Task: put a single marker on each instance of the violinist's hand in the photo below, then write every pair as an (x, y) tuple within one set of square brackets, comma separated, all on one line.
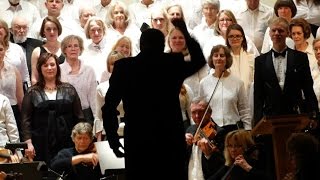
[(289, 176), (99, 136), (91, 158), (189, 139), (240, 161), (205, 147), (14, 158), (30, 153)]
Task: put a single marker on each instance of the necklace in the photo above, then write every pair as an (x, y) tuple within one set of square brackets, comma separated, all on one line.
[(50, 89)]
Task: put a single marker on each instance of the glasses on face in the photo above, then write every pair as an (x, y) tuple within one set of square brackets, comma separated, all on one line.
[(18, 27), (237, 37), (234, 146), (225, 20)]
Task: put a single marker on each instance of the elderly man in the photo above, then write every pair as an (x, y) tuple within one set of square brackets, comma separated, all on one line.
[(19, 31)]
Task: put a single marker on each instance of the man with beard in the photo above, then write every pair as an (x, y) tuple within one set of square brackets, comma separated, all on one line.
[(19, 30)]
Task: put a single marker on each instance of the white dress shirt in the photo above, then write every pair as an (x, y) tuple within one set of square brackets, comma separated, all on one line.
[(229, 102), (8, 126), (308, 11)]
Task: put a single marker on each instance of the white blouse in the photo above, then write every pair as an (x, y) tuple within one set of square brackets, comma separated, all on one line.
[(229, 103)]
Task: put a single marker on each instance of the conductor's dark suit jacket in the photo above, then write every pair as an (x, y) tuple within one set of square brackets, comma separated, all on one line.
[(297, 95), (149, 86)]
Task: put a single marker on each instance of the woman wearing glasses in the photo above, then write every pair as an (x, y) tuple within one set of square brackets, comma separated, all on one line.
[(241, 163), (225, 18)]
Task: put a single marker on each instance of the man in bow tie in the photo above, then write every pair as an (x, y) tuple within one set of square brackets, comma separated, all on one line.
[(19, 31), (282, 83)]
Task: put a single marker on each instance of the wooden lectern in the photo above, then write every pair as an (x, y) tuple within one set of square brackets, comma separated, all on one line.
[(281, 127)]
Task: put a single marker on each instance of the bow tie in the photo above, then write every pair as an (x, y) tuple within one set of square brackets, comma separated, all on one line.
[(277, 54), (23, 44), (97, 47)]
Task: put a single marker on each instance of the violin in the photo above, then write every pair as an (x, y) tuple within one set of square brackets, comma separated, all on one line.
[(91, 149), (4, 155), (208, 132)]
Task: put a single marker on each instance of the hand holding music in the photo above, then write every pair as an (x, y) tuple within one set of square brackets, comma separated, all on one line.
[(241, 161)]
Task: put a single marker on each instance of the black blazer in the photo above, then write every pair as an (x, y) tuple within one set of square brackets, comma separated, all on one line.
[(297, 95)]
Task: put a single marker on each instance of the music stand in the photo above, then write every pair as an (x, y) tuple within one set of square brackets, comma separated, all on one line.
[(281, 127)]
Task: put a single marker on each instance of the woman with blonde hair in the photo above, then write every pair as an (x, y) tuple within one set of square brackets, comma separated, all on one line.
[(241, 158)]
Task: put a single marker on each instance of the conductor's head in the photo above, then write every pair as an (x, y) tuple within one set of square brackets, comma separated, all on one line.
[(152, 40)]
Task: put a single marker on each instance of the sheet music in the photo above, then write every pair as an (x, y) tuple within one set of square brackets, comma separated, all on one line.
[(107, 159)]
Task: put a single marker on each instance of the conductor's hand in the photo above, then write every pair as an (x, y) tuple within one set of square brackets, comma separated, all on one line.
[(179, 23), (118, 149)]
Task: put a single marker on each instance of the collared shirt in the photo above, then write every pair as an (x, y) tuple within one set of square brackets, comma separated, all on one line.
[(280, 67), (255, 22), (16, 57), (24, 9), (101, 11), (86, 88), (308, 11), (8, 127)]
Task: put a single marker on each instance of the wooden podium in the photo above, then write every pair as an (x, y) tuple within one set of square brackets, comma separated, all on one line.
[(281, 127)]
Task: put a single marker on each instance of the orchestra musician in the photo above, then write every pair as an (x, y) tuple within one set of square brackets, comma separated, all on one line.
[(204, 156), (81, 161)]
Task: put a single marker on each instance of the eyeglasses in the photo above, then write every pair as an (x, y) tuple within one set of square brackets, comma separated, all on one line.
[(235, 37), (234, 146), (225, 19)]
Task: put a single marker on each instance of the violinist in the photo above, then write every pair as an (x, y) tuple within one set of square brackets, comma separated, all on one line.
[(241, 157), (204, 156), (81, 161)]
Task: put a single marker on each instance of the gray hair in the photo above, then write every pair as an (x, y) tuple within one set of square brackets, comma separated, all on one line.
[(82, 128)]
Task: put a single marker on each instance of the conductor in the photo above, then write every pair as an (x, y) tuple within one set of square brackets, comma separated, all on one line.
[(149, 86)]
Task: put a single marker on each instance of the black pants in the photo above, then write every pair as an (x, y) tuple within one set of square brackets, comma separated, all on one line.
[(17, 116)]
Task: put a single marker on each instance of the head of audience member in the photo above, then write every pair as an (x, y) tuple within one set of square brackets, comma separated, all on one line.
[(85, 12), (105, 3), (253, 4), (112, 58), (14, 2), (19, 29), (95, 29), (210, 9), (285, 8), (48, 69), (123, 45), (316, 49), (72, 47), (177, 41), (198, 110), (118, 14), (175, 11), (4, 32), (236, 37), (82, 136), (279, 31), (50, 28), (159, 20), (220, 58), (300, 31), (152, 41), (237, 142), (303, 152), (54, 7), (224, 19)]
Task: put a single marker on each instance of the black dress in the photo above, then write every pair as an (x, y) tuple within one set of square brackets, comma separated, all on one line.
[(48, 123)]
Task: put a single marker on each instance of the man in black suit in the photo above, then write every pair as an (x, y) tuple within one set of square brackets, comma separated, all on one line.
[(282, 85), (19, 31), (149, 85), (282, 79)]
